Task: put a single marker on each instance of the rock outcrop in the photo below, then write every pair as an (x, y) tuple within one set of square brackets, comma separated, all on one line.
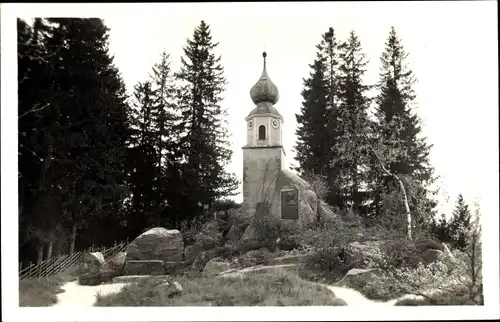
[(215, 267), (168, 289), (357, 278), (117, 263), (157, 244), (92, 262), (308, 201)]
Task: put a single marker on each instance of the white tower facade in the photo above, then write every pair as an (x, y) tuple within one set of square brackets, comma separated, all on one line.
[(263, 155)]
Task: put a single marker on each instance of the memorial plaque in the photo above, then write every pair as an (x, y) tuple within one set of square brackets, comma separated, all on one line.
[(289, 204)]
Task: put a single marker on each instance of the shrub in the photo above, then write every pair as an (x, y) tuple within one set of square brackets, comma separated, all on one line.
[(91, 278), (39, 292), (398, 253), (331, 256)]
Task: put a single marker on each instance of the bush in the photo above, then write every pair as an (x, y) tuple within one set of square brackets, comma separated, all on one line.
[(437, 282), (98, 277), (398, 253), (38, 292), (331, 255), (91, 278)]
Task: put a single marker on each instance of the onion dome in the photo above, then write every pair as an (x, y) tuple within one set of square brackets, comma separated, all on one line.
[(264, 91)]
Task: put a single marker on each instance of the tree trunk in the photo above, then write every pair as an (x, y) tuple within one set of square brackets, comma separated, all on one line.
[(39, 257), (72, 241), (49, 249), (407, 207), (401, 185)]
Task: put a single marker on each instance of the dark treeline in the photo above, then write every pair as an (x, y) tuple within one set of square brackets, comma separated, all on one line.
[(348, 129), (95, 165)]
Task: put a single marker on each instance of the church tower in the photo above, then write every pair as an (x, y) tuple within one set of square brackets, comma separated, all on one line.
[(263, 155)]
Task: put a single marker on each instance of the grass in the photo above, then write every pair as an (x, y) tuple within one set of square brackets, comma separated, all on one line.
[(39, 292), (255, 289)]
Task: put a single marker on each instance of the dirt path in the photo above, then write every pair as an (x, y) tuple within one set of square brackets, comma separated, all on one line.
[(353, 297), (84, 296)]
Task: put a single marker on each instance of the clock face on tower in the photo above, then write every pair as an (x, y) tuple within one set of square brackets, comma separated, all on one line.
[(275, 123), (250, 125)]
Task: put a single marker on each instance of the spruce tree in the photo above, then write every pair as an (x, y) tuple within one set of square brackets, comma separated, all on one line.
[(311, 132), (204, 141), (39, 193), (351, 147), (399, 141), (460, 224), (317, 122), (165, 120), (89, 97), (142, 161), (328, 51)]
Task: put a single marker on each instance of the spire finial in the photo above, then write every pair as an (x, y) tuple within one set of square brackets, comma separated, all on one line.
[(264, 54)]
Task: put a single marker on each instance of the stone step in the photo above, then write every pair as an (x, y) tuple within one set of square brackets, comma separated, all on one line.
[(144, 267), (140, 278)]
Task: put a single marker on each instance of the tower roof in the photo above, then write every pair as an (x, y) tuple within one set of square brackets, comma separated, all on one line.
[(264, 91)]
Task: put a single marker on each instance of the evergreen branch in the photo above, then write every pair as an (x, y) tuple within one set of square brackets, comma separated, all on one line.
[(33, 110)]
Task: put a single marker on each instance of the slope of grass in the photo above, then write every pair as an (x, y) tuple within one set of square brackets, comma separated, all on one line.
[(254, 289), (43, 291)]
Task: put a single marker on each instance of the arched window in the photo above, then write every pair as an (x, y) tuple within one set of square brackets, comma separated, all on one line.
[(262, 132)]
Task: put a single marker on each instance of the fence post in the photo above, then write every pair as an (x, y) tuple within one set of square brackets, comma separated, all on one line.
[(29, 271), (39, 269)]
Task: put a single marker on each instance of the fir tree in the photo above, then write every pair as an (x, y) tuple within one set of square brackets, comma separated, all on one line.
[(402, 148), (352, 123), (317, 124), (142, 162), (89, 97), (204, 139), (73, 126), (39, 196), (460, 224), (311, 132), (165, 119)]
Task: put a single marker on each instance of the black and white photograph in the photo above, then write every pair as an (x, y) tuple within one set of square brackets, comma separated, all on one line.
[(250, 161)]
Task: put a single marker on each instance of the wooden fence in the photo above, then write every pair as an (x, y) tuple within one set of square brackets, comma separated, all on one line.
[(64, 262)]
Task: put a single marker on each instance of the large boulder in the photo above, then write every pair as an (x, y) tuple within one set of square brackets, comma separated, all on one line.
[(432, 255), (326, 214), (308, 201), (176, 268), (168, 289), (103, 275), (290, 259), (233, 234), (215, 267), (117, 262), (92, 262), (357, 278), (270, 214), (157, 244), (423, 245)]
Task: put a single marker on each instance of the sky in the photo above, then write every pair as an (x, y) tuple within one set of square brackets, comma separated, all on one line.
[(452, 49), (453, 52)]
